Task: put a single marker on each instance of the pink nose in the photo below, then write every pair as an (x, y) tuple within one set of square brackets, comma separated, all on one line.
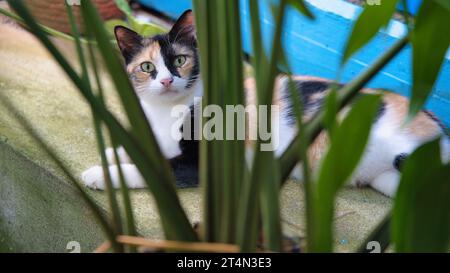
[(167, 82)]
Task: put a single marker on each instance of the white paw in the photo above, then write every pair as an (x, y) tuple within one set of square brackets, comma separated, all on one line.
[(297, 173), (93, 178), (387, 183), (110, 157)]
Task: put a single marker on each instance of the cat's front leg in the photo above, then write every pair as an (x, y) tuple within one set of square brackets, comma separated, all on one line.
[(123, 156), (95, 179), (387, 183)]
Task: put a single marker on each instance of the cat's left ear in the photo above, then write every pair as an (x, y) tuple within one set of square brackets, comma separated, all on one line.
[(184, 27), (128, 41)]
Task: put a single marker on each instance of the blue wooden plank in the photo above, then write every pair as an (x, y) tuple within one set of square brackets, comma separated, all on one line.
[(172, 8), (412, 6), (315, 47)]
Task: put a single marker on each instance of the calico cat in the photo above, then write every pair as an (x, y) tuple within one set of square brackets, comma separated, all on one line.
[(165, 72)]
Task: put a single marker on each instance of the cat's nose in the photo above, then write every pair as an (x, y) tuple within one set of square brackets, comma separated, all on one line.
[(167, 82)]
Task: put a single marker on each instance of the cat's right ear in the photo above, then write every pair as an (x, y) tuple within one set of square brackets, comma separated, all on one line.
[(184, 27), (129, 42)]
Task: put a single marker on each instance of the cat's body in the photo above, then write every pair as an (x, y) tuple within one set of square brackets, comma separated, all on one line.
[(390, 140), (165, 73)]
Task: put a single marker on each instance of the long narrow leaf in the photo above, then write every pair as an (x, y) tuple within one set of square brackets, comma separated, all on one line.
[(432, 24), (346, 148), (367, 26), (421, 217), (381, 236), (85, 77), (260, 182), (131, 229), (301, 6), (116, 219), (298, 107)]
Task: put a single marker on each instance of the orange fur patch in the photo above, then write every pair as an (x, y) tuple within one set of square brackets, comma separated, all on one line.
[(422, 126), (149, 53), (317, 150)]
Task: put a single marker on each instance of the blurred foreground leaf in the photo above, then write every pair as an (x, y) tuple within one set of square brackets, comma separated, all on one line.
[(346, 148), (421, 217), (301, 7), (144, 29), (371, 20), (430, 41)]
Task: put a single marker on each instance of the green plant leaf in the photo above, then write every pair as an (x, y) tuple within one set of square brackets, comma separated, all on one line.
[(421, 217), (432, 24), (301, 7), (371, 20), (111, 24), (130, 228), (147, 29), (115, 214), (298, 105), (268, 175), (123, 6), (144, 29), (210, 32), (346, 148), (444, 3), (265, 79), (233, 151)]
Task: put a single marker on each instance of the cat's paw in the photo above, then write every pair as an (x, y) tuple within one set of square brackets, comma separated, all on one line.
[(94, 178), (387, 183), (111, 157)]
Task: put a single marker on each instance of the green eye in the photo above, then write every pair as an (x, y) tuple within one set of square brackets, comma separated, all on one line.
[(179, 60), (147, 67)]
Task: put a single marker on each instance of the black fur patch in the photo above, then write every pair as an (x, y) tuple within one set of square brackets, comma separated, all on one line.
[(194, 73), (305, 90), (167, 53), (128, 55), (130, 43), (438, 122), (169, 56), (185, 166), (381, 111), (399, 160)]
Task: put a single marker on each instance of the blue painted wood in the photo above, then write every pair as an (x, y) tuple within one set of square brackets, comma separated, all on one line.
[(412, 6), (315, 47)]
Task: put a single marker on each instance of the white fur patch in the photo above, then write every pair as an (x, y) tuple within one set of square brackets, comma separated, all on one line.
[(445, 149), (94, 178)]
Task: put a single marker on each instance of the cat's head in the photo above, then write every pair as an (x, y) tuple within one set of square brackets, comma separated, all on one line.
[(163, 67)]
